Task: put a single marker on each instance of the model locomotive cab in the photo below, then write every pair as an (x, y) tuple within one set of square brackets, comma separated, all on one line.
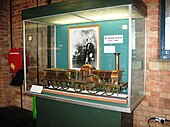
[(86, 80)]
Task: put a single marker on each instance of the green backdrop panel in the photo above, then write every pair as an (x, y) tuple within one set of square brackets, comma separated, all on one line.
[(107, 61)]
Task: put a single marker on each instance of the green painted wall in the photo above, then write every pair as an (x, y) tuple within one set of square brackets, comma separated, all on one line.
[(107, 61)]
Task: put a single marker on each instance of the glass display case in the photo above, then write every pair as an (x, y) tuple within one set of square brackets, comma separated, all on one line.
[(87, 55)]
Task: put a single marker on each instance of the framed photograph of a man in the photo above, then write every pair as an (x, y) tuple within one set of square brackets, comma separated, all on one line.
[(83, 46)]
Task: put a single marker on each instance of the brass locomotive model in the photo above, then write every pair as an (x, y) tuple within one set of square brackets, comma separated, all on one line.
[(88, 79)]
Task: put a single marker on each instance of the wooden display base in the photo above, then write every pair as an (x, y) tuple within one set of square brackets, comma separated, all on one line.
[(116, 98)]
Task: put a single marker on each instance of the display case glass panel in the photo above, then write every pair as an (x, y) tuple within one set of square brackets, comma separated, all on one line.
[(93, 57), (138, 58)]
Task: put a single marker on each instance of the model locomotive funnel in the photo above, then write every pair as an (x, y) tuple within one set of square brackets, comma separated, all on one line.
[(116, 61)]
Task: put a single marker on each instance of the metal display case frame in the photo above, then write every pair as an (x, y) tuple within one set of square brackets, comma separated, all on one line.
[(134, 10)]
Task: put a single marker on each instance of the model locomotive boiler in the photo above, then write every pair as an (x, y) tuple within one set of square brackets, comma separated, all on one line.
[(86, 79)]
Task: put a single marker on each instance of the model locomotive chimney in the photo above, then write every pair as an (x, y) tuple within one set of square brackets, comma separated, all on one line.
[(117, 61)]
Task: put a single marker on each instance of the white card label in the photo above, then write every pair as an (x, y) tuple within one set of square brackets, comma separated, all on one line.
[(113, 39), (109, 49), (36, 89)]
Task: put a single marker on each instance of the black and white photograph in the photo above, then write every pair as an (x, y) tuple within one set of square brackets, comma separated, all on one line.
[(83, 46)]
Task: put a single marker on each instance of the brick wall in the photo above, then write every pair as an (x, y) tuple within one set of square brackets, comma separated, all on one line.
[(4, 48), (157, 98), (10, 95), (157, 101), (17, 7)]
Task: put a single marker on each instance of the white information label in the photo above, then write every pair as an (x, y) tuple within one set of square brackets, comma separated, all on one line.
[(36, 89), (109, 49), (167, 31), (112, 39)]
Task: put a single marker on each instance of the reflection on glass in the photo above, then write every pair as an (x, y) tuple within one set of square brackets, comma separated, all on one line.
[(138, 58)]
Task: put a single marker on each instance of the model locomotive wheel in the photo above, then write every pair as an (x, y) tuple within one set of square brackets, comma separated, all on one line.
[(64, 85), (92, 88), (53, 84), (57, 85), (109, 91), (117, 89), (48, 83), (45, 83), (78, 87), (91, 84)]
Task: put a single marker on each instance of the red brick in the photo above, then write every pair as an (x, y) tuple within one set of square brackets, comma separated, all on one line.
[(154, 29), (152, 12)]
